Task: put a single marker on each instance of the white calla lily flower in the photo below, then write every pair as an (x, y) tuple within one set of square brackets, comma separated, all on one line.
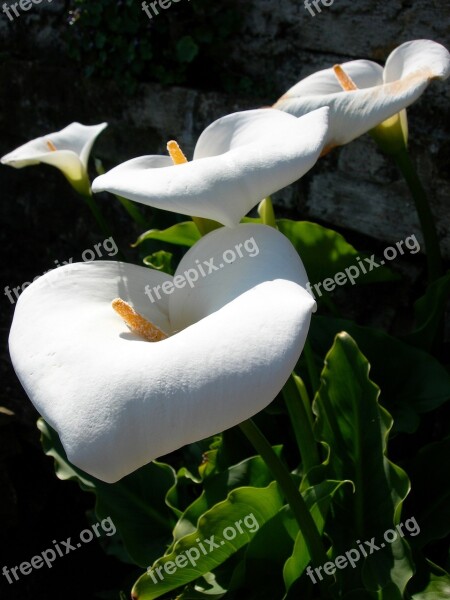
[(238, 160), (361, 94), (228, 344), (68, 150)]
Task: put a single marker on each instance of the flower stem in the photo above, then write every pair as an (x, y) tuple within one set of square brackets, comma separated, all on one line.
[(289, 489), (298, 405), (95, 210), (104, 227), (266, 212), (134, 212), (205, 225), (433, 252)]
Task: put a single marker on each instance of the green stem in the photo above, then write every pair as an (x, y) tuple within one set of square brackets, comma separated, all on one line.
[(433, 252), (290, 491), (134, 212), (298, 405), (128, 205), (104, 227), (95, 210), (313, 373), (205, 225), (266, 212)]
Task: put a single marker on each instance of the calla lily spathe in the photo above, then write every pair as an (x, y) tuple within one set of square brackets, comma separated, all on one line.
[(68, 150), (381, 93), (238, 160), (118, 401)]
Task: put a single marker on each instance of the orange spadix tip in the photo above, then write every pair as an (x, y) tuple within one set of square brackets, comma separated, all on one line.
[(51, 146), (176, 154), (137, 323), (345, 80)]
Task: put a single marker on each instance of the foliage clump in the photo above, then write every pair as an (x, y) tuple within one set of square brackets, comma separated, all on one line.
[(188, 43)]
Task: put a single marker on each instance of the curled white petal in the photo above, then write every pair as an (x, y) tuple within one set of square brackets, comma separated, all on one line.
[(429, 58), (240, 129), (118, 402), (226, 186), (227, 263), (365, 74), (72, 148), (408, 71)]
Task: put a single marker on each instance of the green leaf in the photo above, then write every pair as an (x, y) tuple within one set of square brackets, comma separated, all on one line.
[(187, 49), (360, 594), (325, 252), (182, 234), (161, 261), (266, 552), (180, 494), (318, 499), (205, 588), (100, 39), (412, 381), (437, 589), (252, 472), (254, 220), (136, 503), (356, 428), (390, 568), (246, 507), (429, 311)]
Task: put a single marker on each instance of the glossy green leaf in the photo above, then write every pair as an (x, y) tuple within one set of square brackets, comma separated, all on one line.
[(438, 588), (180, 494), (205, 588), (252, 472), (136, 503), (254, 220), (208, 547), (412, 381), (161, 261), (360, 594), (389, 568), (325, 253), (429, 311), (318, 499), (181, 234), (186, 49), (356, 429), (266, 553)]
